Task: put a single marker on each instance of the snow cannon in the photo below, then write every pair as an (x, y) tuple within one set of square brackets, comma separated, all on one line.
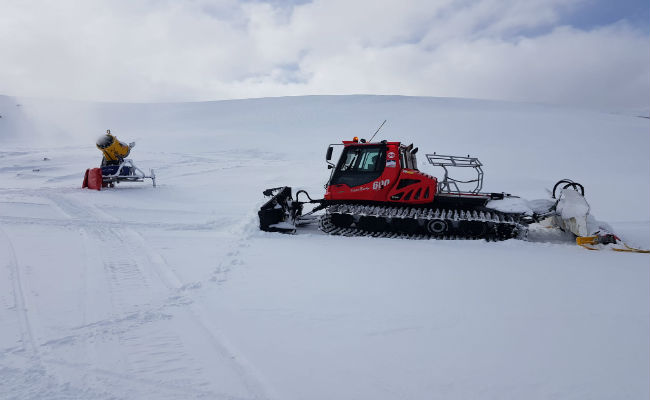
[(112, 149), (115, 167)]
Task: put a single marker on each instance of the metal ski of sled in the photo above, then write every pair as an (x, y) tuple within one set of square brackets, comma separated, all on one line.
[(126, 171)]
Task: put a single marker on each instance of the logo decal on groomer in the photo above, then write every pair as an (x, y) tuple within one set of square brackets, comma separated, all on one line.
[(380, 184)]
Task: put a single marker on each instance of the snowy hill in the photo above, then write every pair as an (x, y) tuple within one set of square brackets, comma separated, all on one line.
[(172, 292)]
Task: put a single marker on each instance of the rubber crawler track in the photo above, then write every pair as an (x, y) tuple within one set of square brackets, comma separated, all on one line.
[(416, 223)]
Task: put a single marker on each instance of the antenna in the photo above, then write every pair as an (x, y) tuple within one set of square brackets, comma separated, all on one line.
[(382, 124)]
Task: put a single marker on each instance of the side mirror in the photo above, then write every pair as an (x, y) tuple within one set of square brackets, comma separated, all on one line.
[(330, 166), (329, 153)]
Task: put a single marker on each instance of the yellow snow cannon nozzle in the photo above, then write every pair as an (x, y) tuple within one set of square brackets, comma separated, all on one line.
[(113, 149)]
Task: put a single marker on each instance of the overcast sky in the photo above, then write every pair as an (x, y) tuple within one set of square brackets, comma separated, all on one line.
[(593, 53)]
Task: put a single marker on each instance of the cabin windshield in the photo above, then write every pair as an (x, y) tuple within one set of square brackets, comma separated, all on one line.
[(359, 165), (361, 160)]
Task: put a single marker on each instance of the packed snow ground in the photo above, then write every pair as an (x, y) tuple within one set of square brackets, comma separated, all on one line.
[(172, 292)]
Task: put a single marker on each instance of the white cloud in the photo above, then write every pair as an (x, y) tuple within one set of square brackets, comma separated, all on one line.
[(161, 50)]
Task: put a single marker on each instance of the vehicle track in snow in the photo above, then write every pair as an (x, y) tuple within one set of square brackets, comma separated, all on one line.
[(74, 222), (132, 267), (199, 314), (134, 304)]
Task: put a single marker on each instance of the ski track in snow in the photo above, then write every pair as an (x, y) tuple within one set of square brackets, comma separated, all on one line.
[(20, 382), (26, 332)]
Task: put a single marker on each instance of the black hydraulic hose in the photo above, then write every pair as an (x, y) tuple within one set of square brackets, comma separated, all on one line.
[(307, 194)]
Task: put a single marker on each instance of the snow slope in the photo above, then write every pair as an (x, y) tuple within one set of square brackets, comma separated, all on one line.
[(172, 292)]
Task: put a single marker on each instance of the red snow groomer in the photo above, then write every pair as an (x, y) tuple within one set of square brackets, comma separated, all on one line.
[(376, 189), (115, 167)]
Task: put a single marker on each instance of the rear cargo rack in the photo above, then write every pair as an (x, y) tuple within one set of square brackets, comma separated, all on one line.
[(449, 184)]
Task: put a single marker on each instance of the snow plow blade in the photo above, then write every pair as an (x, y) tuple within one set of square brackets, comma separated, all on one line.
[(280, 212)]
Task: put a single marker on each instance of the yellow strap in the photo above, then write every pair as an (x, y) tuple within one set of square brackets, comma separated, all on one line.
[(627, 249), (632, 249), (582, 240)]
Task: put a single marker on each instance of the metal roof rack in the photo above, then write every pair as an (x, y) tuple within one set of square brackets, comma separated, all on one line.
[(449, 184)]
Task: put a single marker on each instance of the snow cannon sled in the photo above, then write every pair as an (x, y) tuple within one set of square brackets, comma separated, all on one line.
[(115, 167), (376, 189)]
